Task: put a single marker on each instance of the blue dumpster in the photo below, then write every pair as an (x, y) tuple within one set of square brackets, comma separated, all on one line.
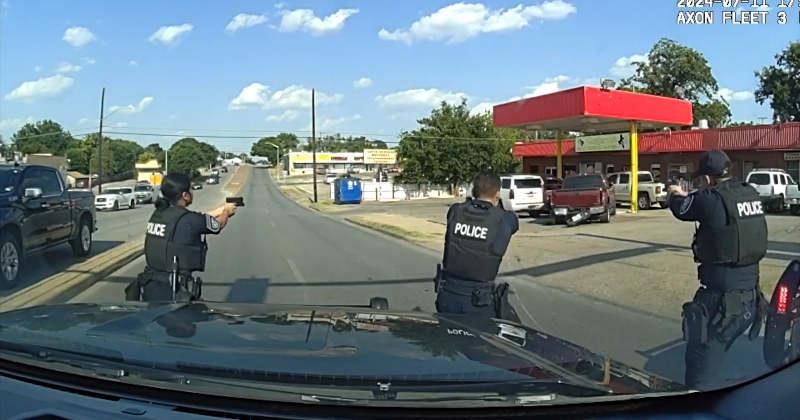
[(347, 191)]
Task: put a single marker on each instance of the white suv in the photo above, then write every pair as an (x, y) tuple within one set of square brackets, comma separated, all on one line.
[(520, 193), (771, 185)]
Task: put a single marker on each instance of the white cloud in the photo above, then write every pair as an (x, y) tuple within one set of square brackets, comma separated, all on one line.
[(362, 83), (89, 61), (624, 66), (171, 35), (550, 85), (83, 121), (461, 21), (483, 107), (133, 63), (120, 125), (14, 124), (419, 98), (173, 116), (243, 20), (68, 68), (293, 97), (731, 95), (304, 20), (326, 123), (42, 88), (38, 69), (132, 109), (78, 36), (287, 115)]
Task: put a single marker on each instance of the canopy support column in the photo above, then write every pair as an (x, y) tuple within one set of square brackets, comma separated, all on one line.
[(559, 155), (634, 167)]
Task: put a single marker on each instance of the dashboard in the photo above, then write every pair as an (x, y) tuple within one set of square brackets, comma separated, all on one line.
[(26, 397)]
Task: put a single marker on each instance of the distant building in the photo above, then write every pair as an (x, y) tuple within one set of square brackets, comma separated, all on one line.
[(149, 171)]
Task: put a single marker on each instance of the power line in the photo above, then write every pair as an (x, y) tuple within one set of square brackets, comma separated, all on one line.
[(201, 136)]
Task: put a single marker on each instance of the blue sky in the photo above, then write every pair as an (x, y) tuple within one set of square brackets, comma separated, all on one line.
[(238, 69)]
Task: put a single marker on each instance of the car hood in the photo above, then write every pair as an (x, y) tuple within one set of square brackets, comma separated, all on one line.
[(108, 196), (274, 341)]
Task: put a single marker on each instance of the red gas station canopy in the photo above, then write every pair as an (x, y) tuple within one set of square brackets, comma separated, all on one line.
[(593, 110)]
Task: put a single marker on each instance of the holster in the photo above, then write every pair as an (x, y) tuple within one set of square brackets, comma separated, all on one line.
[(438, 279), (133, 292), (762, 308), (500, 302), (704, 310)]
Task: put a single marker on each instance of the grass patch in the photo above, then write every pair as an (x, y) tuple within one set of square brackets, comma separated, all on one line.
[(391, 229), (292, 191), (323, 205)]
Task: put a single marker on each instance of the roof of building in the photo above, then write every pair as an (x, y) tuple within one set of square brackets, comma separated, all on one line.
[(592, 109)]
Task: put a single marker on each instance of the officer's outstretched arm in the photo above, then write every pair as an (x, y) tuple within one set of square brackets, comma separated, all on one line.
[(506, 228), (695, 207)]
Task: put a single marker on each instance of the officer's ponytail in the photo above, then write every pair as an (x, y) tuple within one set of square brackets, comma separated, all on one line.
[(173, 186)]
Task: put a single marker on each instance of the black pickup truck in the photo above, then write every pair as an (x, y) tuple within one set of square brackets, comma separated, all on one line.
[(38, 212)]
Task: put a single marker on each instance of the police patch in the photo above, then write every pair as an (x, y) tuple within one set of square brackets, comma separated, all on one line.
[(212, 223), (687, 204)]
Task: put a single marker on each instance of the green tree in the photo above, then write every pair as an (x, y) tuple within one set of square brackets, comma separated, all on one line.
[(146, 156), (452, 145), (284, 141), (157, 151), (337, 143), (126, 154), (45, 136), (780, 84), (186, 156), (210, 154), (678, 71), (2, 145), (741, 124), (92, 152)]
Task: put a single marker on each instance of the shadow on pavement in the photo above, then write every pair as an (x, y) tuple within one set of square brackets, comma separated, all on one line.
[(55, 261), (743, 362), (252, 290)]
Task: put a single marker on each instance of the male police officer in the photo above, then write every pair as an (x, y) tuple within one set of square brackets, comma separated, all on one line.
[(175, 243), (478, 235), (728, 245)]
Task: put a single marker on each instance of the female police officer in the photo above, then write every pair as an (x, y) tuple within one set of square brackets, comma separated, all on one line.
[(176, 235)]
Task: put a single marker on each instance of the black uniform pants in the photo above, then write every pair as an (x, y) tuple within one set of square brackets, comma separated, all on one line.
[(461, 302), (727, 316)]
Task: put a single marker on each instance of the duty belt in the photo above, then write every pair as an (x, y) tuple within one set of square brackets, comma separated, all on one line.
[(463, 287)]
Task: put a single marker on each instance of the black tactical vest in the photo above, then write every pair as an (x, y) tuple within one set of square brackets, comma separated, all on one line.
[(159, 248), (743, 240), (470, 234)]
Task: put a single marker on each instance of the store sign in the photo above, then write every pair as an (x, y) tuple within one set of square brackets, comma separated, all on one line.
[(791, 156), (306, 157), (339, 159), (380, 156), (603, 143)]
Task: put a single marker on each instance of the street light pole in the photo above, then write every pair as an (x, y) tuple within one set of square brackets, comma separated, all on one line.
[(100, 146), (314, 142)]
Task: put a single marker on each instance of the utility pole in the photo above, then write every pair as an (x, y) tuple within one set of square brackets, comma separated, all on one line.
[(100, 146), (314, 142), (762, 119)]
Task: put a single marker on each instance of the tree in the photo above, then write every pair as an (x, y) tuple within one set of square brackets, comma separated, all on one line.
[(284, 141), (452, 145), (155, 150), (187, 155), (2, 145), (45, 136), (677, 71), (780, 84), (337, 143), (126, 153)]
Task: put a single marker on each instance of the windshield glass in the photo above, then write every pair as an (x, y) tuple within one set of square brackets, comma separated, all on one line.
[(9, 177), (430, 219), (583, 181)]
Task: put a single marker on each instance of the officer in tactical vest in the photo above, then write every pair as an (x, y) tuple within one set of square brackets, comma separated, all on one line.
[(729, 243), (478, 235), (175, 244)]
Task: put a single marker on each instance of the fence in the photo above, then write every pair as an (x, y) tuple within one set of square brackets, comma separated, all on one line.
[(385, 191)]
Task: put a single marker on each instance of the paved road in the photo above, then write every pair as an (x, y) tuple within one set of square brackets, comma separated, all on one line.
[(274, 251), (114, 229)]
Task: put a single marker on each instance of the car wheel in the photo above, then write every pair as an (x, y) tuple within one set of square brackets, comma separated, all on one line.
[(644, 202), (82, 244), (10, 261), (116, 206), (132, 204)]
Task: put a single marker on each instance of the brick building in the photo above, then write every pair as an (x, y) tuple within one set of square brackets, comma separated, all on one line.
[(673, 153)]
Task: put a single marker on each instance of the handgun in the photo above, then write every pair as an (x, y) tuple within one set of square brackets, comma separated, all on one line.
[(238, 201)]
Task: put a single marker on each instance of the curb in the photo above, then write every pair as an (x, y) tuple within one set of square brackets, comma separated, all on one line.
[(78, 277), (373, 228)]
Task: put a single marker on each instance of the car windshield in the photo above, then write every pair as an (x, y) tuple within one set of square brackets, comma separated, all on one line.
[(457, 217)]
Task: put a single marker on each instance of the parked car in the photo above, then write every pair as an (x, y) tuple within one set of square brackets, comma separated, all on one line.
[(583, 193), (145, 194), (212, 180), (649, 191), (197, 186), (114, 198), (771, 184), (38, 212), (793, 198)]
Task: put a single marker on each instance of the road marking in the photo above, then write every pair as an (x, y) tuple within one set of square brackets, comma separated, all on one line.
[(791, 254), (299, 277), (272, 223)]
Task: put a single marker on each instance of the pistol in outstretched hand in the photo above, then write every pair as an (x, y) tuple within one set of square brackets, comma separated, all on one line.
[(237, 201)]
